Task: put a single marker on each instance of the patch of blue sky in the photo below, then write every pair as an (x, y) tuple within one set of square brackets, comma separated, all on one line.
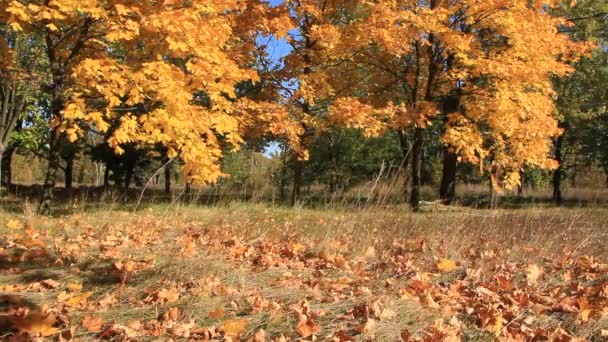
[(277, 49)]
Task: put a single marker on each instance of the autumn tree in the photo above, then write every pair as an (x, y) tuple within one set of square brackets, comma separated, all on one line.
[(498, 56), (168, 69), (314, 79), (21, 81)]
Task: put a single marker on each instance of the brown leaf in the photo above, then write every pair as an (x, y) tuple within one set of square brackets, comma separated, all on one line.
[(50, 283), (259, 336), (37, 324), (233, 327), (74, 287), (217, 313), (533, 272), (182, 330), (92, 324), (306, 326)]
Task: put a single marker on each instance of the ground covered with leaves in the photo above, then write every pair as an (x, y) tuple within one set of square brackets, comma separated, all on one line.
[(256, 273)]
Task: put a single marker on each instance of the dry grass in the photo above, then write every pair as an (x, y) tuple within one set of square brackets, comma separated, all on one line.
[(212, 275)]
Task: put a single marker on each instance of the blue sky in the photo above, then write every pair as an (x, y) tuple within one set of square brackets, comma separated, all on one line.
[(276, 49)]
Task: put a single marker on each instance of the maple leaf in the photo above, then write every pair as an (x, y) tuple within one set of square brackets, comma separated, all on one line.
[(93, 324), (183, 329), (533, 273), (74, 287), (446, 265), (306, 326), (50, 283), (217, 313), (259, 336), (37, 324), (233, 327), (74, 299), (13, 224)]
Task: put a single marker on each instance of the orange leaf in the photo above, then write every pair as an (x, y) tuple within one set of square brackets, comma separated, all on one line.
[(446, 265), (92, 324), (13, 224), (233, 327), (533, 272), (217, 313), (306, 326), (38, 324)]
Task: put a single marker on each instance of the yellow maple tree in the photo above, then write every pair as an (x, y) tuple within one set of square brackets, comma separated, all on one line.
[(165, 70), (499, 57)]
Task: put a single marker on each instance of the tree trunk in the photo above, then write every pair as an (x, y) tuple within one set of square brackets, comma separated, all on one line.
[(188, 190), (520, 187), (51, 172), (7, 174), (297, 182), (557, 174), (405, 151), (493, 195), (416, 167), (447, 190), (167, 176), (283, 180), (69, 172)]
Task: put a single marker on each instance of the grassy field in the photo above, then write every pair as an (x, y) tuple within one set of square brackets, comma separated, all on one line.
[(262, 273)]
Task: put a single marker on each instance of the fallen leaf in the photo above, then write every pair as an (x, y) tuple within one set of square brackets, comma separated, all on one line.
[(498, 325), (446, 265), (217, 313), (306, 327), (182, 330), (259, 336), (37, 324), (233, 327), (50, 283), (533, 272), (74, 287), (13, 224), (92, 324), (74, 299)]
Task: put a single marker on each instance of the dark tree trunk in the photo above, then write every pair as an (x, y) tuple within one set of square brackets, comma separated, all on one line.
[(69, 172), (557, 174), (416, 169), (493, 195), (167, 176), (7, 173), (447, 190), (51, 172), (188, 190), (296, 192), (283, 180), (405, 151), (520, 187)]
